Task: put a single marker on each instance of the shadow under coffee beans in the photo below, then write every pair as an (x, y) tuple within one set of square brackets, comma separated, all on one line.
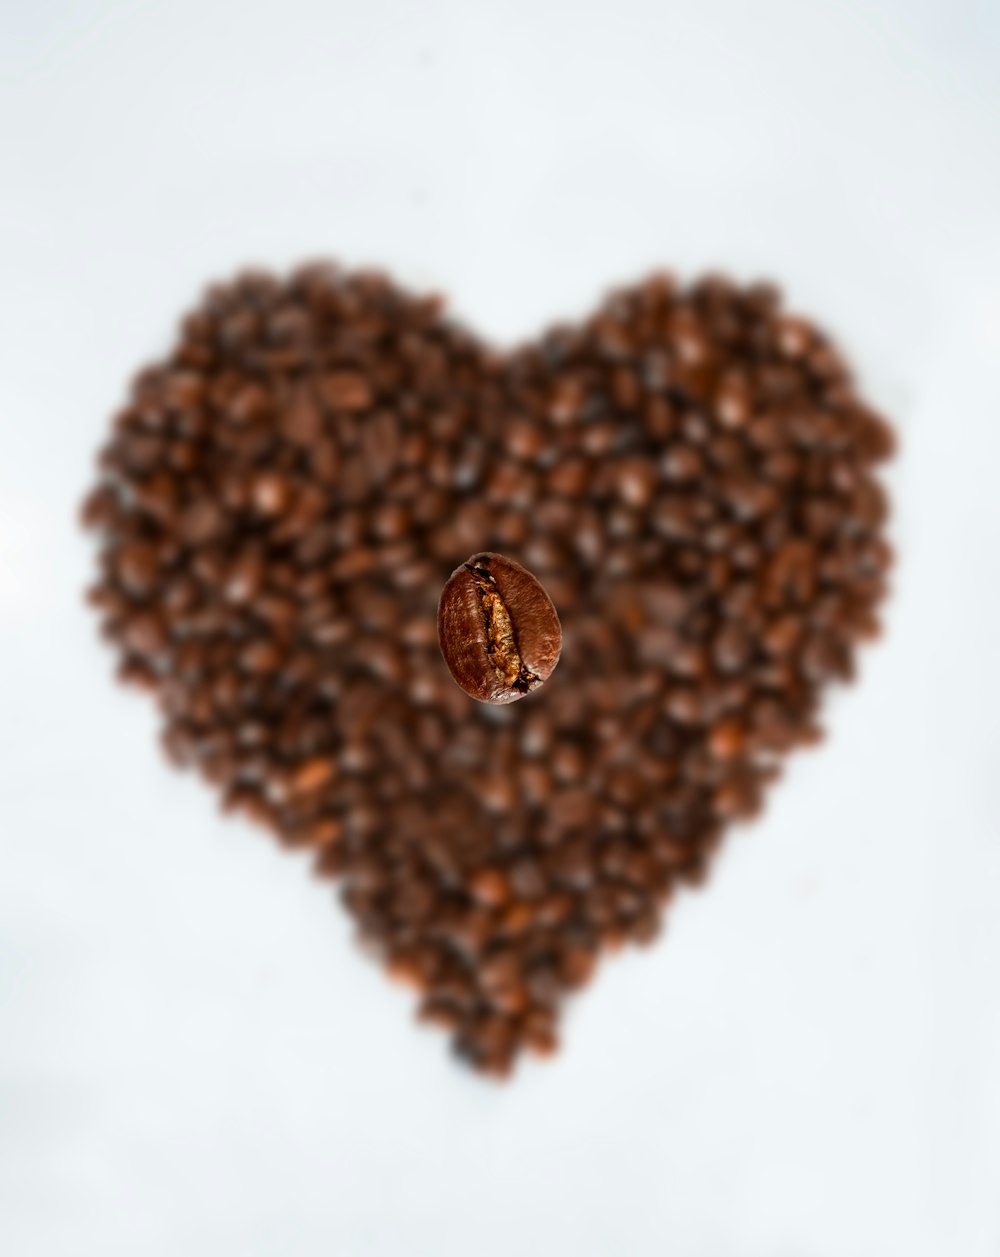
[(688, 475)]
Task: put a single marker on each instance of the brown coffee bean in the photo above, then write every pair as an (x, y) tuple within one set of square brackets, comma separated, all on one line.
[(726, 740), (270, 493), (498, 630), (682, 463), (347, 391), (311, 774), (138, 567), (489, 886), (144, 634)]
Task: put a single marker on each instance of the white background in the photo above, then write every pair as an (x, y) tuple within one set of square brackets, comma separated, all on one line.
[(193, 1058)]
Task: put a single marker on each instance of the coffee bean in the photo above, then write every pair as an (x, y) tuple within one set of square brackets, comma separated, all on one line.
[(498, 630), (489, 886), (688, 473)]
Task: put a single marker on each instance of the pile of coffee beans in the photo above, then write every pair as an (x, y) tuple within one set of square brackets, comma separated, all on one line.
[(689, 473)]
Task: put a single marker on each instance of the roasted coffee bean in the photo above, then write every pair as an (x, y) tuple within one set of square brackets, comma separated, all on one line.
[(498, 630), (689, 474)]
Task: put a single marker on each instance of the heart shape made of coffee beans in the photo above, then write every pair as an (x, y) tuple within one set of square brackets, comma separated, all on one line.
[(689, 473)]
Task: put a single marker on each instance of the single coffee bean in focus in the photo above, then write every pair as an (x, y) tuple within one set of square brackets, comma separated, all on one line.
[(498, 630)]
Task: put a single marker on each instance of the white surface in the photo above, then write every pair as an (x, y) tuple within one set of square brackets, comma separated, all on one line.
[(193, 1059)]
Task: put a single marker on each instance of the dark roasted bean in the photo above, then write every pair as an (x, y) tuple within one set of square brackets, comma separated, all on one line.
[(498, 630)]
